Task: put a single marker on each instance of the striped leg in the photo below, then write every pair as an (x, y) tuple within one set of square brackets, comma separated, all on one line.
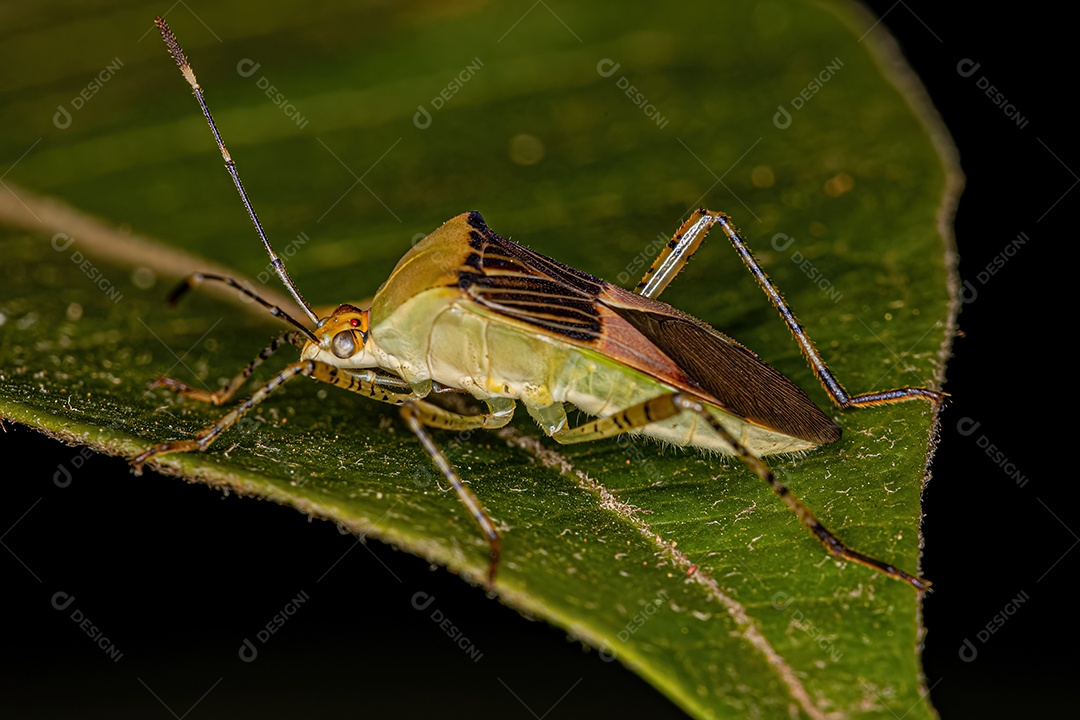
[(365, 383), (668, 406), (687, 240), (419, 415), (223, 394), (416, 413), (673, 258), (832, 386)]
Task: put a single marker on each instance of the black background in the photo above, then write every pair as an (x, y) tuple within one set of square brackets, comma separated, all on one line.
[(987, 539)]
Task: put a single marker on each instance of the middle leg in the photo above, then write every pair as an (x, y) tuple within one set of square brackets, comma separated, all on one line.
[(420, 415)]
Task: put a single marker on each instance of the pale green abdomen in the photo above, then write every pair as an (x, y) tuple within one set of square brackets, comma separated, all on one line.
[(458, 343)]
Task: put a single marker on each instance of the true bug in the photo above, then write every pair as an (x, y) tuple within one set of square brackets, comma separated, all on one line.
[(467, 311)]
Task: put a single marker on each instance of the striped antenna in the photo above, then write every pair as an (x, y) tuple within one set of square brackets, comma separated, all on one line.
[(189, 75)]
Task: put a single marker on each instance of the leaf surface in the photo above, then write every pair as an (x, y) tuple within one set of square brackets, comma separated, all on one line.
[(588, 138)]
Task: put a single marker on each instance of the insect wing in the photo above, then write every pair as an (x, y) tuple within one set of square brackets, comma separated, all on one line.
[(516, 282), (645, 334), (742, 383)]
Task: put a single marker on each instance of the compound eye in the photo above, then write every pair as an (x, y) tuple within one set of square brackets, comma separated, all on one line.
[(344, 344)]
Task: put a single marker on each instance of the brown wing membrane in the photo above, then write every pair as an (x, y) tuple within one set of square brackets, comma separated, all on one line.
[(743, 383)]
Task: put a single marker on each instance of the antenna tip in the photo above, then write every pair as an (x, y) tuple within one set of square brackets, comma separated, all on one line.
[(176, 51), (163, 27)]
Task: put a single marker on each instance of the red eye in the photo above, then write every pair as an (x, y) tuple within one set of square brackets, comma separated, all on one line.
[(354, 322)]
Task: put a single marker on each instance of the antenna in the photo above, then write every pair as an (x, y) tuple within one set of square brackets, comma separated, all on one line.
[(189, 75)]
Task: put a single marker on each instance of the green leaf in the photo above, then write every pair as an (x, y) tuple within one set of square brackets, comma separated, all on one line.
[(585, 136)]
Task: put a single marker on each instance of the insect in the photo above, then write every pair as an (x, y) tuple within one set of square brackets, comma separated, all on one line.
[(468, 312)]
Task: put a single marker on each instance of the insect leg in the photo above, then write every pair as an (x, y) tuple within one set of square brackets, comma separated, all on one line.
[(686, 241), (832, 386), (501, 411), (377, 386), (683, 244), (367, 383), (203, 438), (828, 381), (668, 406), (223, 394), (419, 414)]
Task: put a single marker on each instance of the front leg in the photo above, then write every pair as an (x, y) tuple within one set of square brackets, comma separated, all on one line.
[(369, 384), (223, 394), (417, 413)]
